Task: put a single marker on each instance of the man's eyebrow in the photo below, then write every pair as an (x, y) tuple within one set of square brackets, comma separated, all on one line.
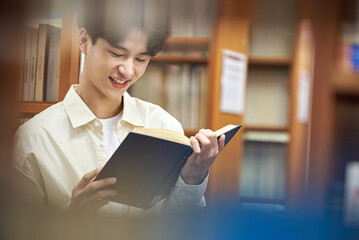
[(125, 49)]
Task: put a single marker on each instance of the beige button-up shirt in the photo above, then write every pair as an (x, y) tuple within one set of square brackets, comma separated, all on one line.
[(54, 149)]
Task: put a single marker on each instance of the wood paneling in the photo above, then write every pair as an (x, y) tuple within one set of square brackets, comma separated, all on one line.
[(233, 14), (70, 53), (326, 25), (298, 145), (33, 107)]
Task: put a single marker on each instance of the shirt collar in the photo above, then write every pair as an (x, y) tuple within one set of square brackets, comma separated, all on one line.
[(80, 114), (131, 113), (76, 108)]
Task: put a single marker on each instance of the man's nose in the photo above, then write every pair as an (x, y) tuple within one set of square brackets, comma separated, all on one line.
[(127, 69)]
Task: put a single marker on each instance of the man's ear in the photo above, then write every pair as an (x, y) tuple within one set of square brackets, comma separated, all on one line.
[(84, 40)]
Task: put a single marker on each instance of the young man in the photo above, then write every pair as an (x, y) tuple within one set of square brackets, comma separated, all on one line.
[(59, 152)]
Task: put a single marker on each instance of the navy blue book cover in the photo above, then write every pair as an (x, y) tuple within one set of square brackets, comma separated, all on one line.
[(147, 167)]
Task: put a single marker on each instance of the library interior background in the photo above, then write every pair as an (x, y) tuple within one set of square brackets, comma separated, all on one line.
[(288, 70)]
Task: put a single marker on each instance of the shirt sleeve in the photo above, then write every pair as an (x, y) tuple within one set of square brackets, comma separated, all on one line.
[(27, 177), (184, 197)]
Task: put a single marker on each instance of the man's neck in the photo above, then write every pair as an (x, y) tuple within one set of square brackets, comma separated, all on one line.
[(99, 105)]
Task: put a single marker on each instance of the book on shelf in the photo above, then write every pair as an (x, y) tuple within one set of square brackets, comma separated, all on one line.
[(184, 98), (203, 88), (148, 162), (21, 72), (33, 62), (194, 98), (348, 47), (181, 26), (47, 54), (203, 16), (263, 170), (41, 64), (173, 91), (181, 89), (51, 86), (152, 79), (26, 65), (198, 21), (186, 91), (272, 29), (267, 96)]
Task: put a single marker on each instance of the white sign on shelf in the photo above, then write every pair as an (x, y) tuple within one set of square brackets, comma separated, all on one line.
[(303, 96), (233, 79), (352, 193)]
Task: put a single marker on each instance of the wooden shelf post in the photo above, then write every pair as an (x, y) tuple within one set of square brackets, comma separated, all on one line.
[(225, 172), (70, 53)]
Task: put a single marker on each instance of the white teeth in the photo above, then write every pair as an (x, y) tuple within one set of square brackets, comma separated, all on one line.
[(118, 80)]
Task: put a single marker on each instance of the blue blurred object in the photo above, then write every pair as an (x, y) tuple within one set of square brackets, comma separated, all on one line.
[(355, 56), (229, 223)]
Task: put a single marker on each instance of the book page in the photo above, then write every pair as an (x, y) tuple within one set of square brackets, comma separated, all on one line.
[(224, 129), (163, 134)]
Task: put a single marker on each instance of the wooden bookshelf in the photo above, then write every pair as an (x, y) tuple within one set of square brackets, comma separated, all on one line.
[(265, 61), (266, 128), (180, 58), (346, 82), (187, 41), (231, 31), (33, 107)]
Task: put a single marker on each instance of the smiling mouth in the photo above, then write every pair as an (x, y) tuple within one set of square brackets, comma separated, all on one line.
[(118, 81)]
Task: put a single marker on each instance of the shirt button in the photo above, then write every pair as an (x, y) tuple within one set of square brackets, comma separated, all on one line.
[(97, 124)]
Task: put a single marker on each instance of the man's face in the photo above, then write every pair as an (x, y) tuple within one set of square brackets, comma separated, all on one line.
[(111, 70)]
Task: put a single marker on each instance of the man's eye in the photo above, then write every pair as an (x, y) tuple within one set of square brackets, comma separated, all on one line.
[(141, 60), (116, 55)]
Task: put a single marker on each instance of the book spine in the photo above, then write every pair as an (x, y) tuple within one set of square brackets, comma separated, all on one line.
[(27, 71), (173, 175), (40, 67), (51, 84), (33, 60), (22, 69)]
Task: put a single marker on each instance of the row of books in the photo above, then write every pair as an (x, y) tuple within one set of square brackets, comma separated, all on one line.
[(267, 96), (190, 18), (263, 170), (348, 49), (180, 89), (272, 28), (41, 63)]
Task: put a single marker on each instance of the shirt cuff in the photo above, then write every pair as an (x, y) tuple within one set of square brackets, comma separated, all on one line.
[(190, 194)]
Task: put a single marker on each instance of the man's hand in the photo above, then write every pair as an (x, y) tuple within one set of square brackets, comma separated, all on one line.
[(89, 194), (205, 150)]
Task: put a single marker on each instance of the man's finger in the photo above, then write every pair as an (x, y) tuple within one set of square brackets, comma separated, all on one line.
[(195, 145), (208, 133), (221, 142), (88, 177), (203, 140), (97, 185), (100, 195)]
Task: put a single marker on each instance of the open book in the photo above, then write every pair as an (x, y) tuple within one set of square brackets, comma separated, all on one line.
[(148, 162)]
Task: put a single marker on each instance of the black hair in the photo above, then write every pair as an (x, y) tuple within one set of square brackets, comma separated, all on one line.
[(113, 19)]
